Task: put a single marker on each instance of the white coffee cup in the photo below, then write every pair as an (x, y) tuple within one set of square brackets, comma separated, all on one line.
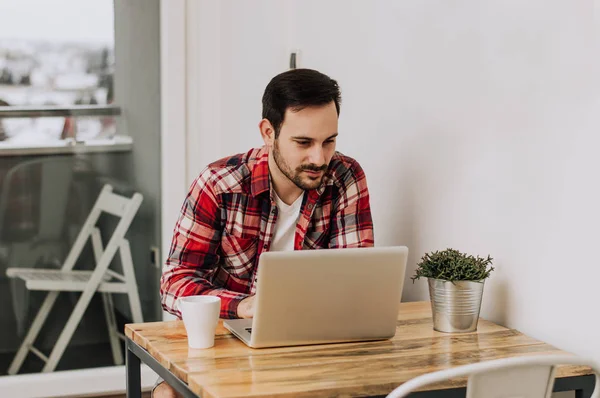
[(200, 316)]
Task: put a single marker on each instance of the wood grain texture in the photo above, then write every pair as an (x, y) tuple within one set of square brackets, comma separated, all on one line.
[(231, 369)]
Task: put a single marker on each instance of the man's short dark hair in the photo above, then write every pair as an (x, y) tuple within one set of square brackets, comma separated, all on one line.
[(297, 89)]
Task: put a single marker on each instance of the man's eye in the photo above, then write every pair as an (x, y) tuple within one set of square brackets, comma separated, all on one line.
[(329, 141), (303, 143)]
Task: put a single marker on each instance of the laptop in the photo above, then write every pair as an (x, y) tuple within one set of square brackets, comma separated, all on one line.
[(324, 296)]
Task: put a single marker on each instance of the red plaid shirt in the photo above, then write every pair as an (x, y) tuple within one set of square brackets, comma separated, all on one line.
[(228, 220)]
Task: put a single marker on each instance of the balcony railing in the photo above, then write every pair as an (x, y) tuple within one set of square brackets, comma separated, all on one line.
[(59, 111), (118, 143)]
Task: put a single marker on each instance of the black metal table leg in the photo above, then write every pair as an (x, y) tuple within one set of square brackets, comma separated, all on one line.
[(134, 378), (138, 354)]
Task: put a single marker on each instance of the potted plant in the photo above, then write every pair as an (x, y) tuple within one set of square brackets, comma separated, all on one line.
[(455, 287)]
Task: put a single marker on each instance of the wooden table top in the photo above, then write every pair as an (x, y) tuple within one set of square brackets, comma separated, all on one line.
[(232, 369)]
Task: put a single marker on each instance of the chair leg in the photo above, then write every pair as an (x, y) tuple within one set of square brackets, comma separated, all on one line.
[(33, 332), (109, 311), (132, 290), (136, 307), (111, 322), (67, 333)]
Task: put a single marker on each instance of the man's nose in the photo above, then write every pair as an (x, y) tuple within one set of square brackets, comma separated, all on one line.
[(317, 156)]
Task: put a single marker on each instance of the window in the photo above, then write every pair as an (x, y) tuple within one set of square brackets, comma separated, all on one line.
[(56, 55), (57, 68)]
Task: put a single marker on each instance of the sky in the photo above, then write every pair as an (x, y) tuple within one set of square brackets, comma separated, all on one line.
[(58, 20)]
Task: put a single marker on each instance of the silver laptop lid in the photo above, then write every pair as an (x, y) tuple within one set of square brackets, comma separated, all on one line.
[(321, 296)]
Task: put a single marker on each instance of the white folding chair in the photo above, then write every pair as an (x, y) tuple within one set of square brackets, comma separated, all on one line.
[(523, 377), (101, 279)]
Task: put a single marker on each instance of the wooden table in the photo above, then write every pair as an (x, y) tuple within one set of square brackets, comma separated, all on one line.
[(231, 369)]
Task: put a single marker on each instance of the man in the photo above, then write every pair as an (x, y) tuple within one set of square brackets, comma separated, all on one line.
[(294, 193)]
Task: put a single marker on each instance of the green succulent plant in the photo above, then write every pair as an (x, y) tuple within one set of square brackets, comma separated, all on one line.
[(452, 265)]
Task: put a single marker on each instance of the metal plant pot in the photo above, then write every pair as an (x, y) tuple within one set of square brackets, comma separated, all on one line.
[(455, 305)]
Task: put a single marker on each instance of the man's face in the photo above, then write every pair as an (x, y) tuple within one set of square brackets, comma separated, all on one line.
[(306, 144)]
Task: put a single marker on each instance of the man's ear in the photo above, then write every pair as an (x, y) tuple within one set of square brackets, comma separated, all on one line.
[(267, 132)]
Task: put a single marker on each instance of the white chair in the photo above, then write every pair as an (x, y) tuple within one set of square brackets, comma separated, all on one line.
[(100, 279), (523, 377)]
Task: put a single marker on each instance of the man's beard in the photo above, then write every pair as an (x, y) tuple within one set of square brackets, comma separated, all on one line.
[(295, 176)]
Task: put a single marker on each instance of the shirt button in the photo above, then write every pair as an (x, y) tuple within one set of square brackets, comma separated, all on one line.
[(265, 246), (274, 211), (310, 206)]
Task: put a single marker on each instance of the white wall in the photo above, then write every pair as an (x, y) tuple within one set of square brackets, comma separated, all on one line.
[(174, 181), (235, 48), (476, 121)]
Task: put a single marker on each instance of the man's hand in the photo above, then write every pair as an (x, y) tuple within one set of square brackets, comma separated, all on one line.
[(163, 390), (246, 308)]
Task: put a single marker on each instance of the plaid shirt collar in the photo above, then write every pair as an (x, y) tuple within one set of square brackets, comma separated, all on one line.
[(261, 178)]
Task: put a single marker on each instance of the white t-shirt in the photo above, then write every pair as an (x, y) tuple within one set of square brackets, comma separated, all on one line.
[(285, 226)]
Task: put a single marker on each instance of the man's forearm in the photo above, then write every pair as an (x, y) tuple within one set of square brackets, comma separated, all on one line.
[(174, 284)]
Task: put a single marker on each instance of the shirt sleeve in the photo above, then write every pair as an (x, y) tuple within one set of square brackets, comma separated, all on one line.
[(352, 225), (194, 255)]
